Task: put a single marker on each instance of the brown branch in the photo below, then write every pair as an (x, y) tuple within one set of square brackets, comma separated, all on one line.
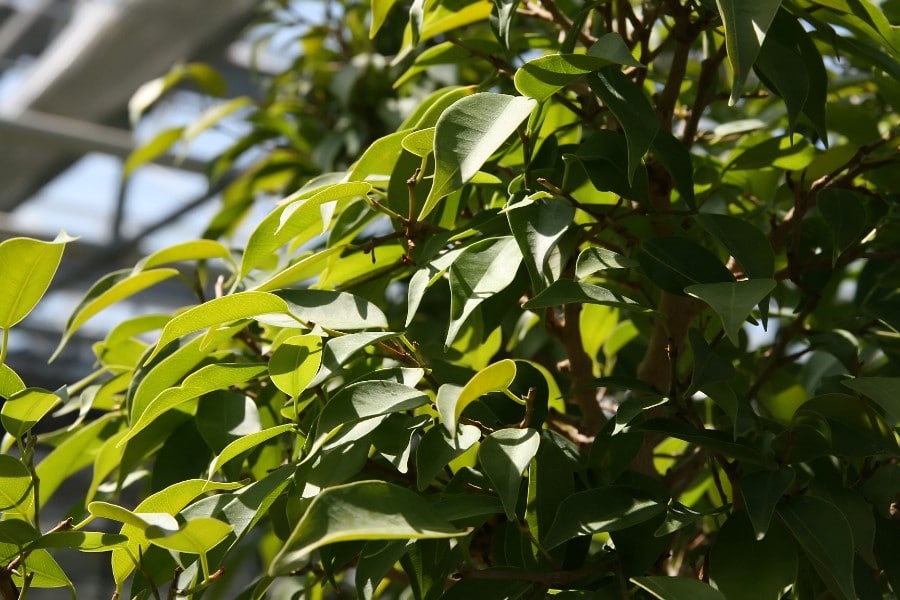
[(709, 68)]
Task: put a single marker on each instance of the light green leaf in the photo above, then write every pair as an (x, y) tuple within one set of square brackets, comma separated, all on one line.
[(504, 455), (884, 391), (208, 79), (202, 381), (744, 567), (332, 310), (673, 263), (377, 162), (380, 10), (305, 268), (733, 301), (140, 521), (437, 448), (597, 510), (242, 305), (28, 268), (161, 143), (611, 47), (541, 77), (245, 443), (429, 110), (420, 143), (197, 536), (631, 108), (112, 288), (825, 536), (295, 362), (15, 485), (10, 382), (467, 134), (187, 251), (213, 115), (537, 227), (83, 541), (23, 410), (746, 24), (299, 218), (567, 291), (364, 510), (845, 214), (481, 271), (595, 259), (441, 17), (46, 572), (762, 490), (789, 152), (493, 378), (677, 588)]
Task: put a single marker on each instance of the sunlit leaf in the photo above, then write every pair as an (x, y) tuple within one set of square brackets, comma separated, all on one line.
[(25, 409), (245, 443), (197, 536), (295, 362), (493, 378), (28, 268)]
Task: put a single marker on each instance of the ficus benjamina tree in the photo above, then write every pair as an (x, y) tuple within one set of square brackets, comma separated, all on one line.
[(583, 299)]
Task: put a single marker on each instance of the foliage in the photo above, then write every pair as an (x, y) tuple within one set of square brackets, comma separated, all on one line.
[(592, 299)]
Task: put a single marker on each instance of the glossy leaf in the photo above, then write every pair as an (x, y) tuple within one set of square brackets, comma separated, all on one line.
[(538, 226), (246, 443), (504, 455), (219, 311), (420, 143), (364, 400), (541, 77), (677, 588), (113, 288), (197, 536), (28, 268), (25, 409), (825, 537), (364, 510), (338, 350), (437, 448), (493, 378), (733, 302), (745, 25), (334, 310), (597, 510), (295, 362), (467, 134), (631, 108), (482, 270), (566, 291)]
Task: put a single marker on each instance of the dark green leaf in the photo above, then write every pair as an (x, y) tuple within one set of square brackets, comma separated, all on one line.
[(567, 291), (762, 491), (674, 263), (745, 24), (678, 588), (504, 455)]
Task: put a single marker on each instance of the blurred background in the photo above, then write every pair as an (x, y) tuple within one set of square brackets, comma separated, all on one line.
[(68, 69)]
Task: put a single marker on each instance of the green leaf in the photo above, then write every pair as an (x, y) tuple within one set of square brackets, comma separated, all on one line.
[(441, 17), (242, 305), (46, 572), (380, 10), (482, 270), (207, 78), (595, 259), (884, 391), (744, 567), (493, 378), (504, 455), (245, 443), (711, 439), (611, 47), (332, 310), (187, 251), (537, 227), (25, 409), (364, 400), (213, 115), (604, 157), (789, 152), (631, 108), (338, 350), (746, 243), (15, 485), (677, 588), (363, 510), (542, 77), (826, 538), (10, 382), (437, 448), (83, 541), (112, 288), (375, 561), (18, 533), (597, 510), (467, 134), (28, 268), (159, 145), (202, 381), (762, 490), (295, 362), (674, 263), (745, 25), (197, 536), (420, 143), (732, 301), (845, 214), (304, 268), (676, 158), (679, 516), (567, 291), (709, 366)]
